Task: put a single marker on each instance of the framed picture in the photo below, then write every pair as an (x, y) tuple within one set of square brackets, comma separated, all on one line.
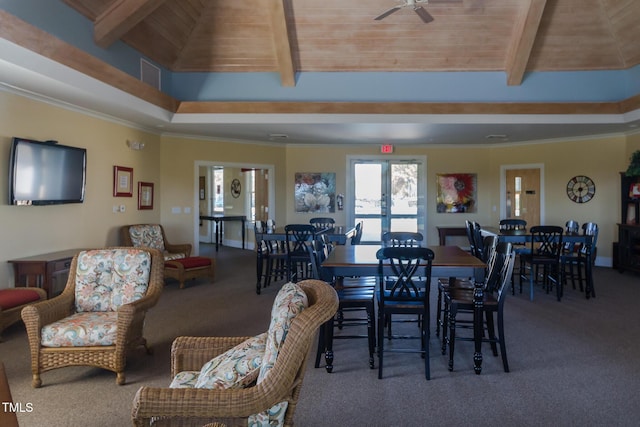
[(315, 192), (145, 195), (457, 192), (201, 188), (122, 181)]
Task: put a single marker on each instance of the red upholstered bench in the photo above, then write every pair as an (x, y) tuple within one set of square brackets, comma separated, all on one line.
[(13, 300), (190, 268)]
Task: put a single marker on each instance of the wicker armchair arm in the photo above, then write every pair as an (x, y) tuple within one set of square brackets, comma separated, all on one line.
[(197, 402), (176, 248), (48, 311), (191, 353), (143, 304)]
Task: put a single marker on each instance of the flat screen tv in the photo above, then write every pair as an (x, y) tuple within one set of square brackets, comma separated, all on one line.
[(46, 173)]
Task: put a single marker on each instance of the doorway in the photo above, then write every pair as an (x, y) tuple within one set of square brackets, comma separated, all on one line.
[(232, 189), (387, 194), (522, 193)]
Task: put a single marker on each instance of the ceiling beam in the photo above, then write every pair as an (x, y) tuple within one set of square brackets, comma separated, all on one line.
[(407, 108), (121, 17), (525, 31), (281, 42)]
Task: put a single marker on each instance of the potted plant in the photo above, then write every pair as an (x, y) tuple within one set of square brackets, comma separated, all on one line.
[(634, 166)]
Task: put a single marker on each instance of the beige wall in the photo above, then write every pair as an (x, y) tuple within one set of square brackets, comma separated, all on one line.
[(179, 160), (600, 159), (439, 160), (32, 230), (172, 163)]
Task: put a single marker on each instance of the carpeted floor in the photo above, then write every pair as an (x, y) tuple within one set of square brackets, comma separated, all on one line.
[(573, 363)]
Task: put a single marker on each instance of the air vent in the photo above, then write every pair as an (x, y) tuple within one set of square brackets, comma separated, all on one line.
[(149, 73), (278, 136)]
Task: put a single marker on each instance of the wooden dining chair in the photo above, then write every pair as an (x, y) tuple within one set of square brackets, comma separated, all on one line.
[(321, 223), (355, 296), (517, 224), (469, 227), (445, 284), (404, 292), (298, 236), (461, 304), (544, 253), (573, 264), (357, 237), (402, 238)]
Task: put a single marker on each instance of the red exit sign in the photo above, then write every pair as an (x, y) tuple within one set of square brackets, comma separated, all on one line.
[(386, 149)]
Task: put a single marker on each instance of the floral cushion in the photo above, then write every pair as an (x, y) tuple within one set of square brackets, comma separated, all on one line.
[(149, 235), (109, 278), (82, 329), (235, 368), (185, 379), (289, 302)]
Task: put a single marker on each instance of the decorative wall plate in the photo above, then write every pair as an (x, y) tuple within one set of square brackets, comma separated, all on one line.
[(581, 189), (236, 188)]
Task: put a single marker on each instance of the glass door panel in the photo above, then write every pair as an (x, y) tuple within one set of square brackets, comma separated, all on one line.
[(404, 197), (386, 197), (368, 199)]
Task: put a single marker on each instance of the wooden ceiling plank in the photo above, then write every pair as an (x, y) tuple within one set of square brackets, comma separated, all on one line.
[(121, 17), (281, 43), (526, 30)]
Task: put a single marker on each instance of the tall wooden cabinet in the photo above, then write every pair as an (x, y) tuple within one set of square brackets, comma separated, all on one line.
[(629, 227)]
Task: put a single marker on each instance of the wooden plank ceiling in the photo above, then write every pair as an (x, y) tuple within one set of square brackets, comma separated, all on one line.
[(289, 36)]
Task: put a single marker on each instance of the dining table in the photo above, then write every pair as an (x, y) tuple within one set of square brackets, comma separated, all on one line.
[(218, 225), (524, 237), (448, 261)]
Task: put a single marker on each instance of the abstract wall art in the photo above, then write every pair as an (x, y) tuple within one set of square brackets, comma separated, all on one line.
[(457, 192)]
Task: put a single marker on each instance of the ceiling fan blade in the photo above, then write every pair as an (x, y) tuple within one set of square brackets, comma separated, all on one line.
[(387, 13), (423, 14)]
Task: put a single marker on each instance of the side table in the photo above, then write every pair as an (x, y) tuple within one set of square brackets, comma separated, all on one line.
[(47, 271)]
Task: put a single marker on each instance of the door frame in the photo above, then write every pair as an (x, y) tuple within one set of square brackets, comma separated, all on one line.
[(196, 197), (503, 187), (422, 186)]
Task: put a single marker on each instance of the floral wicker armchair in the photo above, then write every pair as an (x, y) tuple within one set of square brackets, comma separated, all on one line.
[(153, 236), (100, 314), (245, 401)]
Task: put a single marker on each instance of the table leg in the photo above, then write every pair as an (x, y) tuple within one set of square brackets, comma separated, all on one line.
[(588, 271), (219, 232), (259, 270), (328, 346), (243, 221), (478, 296)]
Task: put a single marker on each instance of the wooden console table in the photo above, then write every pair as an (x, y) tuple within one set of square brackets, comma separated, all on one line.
[(219, 220), (46, 271), (443, 232)]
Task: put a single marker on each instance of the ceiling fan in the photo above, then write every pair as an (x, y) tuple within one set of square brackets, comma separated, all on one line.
[(415, 5)]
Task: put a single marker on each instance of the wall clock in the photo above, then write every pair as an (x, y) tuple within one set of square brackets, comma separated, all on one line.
[(581, 189), (236, 188)]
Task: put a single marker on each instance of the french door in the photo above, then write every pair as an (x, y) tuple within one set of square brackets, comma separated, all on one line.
[(387, 195)]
